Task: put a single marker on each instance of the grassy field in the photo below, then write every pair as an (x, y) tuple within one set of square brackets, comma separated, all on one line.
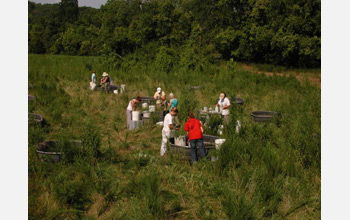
[(267, 171)]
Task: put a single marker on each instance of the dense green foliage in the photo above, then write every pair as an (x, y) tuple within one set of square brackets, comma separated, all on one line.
[(284, 32), (267, 171)]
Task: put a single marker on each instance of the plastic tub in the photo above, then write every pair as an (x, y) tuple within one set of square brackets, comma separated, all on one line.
[(34, 118), (263, 116), (47, 151), (31, 97), (239, 101), (184, 150), (144, 105), (218, 143), (146, 114)]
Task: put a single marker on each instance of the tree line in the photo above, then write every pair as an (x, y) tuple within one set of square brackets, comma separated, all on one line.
[(279, 32)]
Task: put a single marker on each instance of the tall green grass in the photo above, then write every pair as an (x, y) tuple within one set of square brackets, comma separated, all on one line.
[(267, 171)]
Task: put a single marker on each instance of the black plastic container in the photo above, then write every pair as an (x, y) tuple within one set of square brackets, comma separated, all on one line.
[(263, 116)]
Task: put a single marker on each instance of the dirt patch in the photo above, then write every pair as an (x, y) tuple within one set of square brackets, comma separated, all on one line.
[(314, 78)]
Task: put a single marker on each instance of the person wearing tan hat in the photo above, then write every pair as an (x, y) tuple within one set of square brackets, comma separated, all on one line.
[(105, 81)]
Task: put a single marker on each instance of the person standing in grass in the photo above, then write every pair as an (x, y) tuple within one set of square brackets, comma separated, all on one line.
[(105, 81), (173, 101), (173, 104), (160, 97), (224, 104), (131, 107), (93, 80), (194, 130), (168, 128)]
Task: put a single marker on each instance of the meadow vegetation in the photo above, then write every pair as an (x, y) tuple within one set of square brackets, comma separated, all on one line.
[(267, 171)]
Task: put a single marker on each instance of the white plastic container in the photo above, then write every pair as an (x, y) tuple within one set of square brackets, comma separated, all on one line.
[(238, 126), (92, 86), (122, 88), (152, 108), (205, 109), (160, 123), (144, 105), (218, 143), (115, 92), (146, 114), (216, 109), (136, 115), (180, 141)]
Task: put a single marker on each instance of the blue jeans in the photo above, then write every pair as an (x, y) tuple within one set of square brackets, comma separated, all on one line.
[(193, 144)]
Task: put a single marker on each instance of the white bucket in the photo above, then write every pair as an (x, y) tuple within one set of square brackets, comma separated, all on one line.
[(122, 88), (146, 114), (135, 115), (152, 108), (205, 109), (216, 109), (180, 141), (92, 86), (218, 143), (160, 123), (144, 105), (115, 92), (238, 126)]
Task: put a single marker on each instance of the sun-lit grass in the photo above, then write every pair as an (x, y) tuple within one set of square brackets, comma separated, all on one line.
[(267, 171)]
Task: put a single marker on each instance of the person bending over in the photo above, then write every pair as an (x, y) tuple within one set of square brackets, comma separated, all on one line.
[(194, 130)]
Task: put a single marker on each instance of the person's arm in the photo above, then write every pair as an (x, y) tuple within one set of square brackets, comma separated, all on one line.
[(133, 105), (163, 96), (228, 104), (155, 96), (169, 104)]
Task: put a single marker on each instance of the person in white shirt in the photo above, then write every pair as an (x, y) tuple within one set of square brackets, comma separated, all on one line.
[(224, 104), (168, 128), (131, 107)]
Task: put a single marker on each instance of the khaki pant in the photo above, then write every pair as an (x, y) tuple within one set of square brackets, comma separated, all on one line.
[(226, 118)]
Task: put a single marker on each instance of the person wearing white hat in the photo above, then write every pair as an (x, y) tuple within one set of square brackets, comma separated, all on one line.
[(105, 81), (160, 97)]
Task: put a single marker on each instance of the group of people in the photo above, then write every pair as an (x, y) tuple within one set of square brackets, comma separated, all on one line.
[(161, 104), (105, 81), (193, 128)]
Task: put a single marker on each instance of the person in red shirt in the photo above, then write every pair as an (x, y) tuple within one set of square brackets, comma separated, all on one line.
[(194, 130)]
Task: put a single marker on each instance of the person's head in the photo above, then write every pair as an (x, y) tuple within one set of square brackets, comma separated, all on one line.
[(138, 99), (94, 71), (159, 89), (190, 115), (222, 95), (171, 95), (104, 74), (173, 111)]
